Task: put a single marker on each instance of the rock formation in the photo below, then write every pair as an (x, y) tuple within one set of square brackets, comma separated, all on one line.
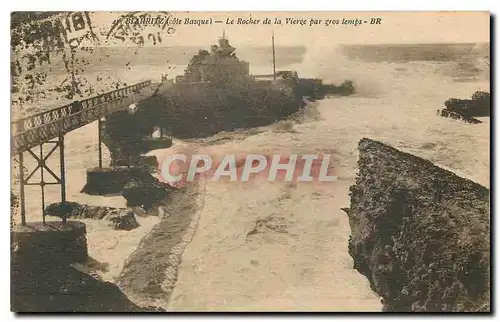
[(52, 283), (467, 109), (104, 181), (459, 116), (120, 219), (62, 288), (128, 135), (124, 220), (145, 191), (420, 234), (315, 89)]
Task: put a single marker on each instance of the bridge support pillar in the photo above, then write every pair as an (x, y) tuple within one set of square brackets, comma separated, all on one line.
[(42, 167), (99, 135), (21, 190), (62, 172)]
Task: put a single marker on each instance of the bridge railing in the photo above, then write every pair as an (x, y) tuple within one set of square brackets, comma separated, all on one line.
[(49, 116), (38, 128)]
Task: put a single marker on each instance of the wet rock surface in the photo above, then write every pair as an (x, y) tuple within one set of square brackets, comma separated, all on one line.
[(124, 220), (467, 109), (420, 234), (104, 181), (458, 116), (122, 134), (144, 191), (315, 89), (135, 184), (149, 144), (120, 219), (58, 287), (149, 163), (63, 242), (204, 109)]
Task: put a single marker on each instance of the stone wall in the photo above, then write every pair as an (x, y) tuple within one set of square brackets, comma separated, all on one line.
[(420, 234)]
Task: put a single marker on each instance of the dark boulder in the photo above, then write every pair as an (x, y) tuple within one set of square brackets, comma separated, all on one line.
[(144, 191), (124, 220), (68, 209)]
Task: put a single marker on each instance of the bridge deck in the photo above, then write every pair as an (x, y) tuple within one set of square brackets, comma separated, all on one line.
[(36, 129)]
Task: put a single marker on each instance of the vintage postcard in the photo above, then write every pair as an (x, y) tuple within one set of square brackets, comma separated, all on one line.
[(250, 161)]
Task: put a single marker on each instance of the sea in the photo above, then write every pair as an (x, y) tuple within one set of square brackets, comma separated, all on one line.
[(399, 88)]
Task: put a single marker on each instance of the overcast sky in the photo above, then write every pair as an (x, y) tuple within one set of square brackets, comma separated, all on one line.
[(396, 27)]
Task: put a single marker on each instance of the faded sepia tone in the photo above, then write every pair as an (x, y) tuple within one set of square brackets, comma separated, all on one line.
[(400, 100)]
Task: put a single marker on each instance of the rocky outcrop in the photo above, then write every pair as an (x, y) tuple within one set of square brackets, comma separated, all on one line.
[(51, 242), (144, 191), (315, 89), (149, 144), (105, 181), (149, 163), (122, 133), (128, 135), (466, 109), (62, 288), (120, 219), (458, 116), (420, 234), (75, 210), (124, 220), (478, 106), (54, 285), (195, 110), (135, 184)]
